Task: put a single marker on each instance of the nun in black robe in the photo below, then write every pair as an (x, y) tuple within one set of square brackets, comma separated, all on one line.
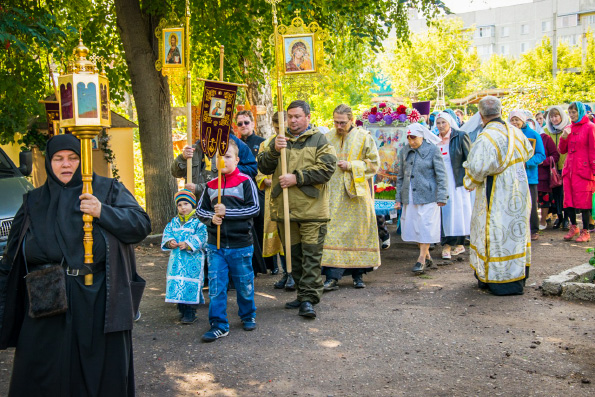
[(86, 351)]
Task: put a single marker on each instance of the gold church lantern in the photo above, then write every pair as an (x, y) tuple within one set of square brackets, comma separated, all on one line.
[(83, 95)]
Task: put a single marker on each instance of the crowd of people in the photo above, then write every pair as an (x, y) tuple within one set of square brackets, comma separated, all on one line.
[(481, 180), (492, 181)]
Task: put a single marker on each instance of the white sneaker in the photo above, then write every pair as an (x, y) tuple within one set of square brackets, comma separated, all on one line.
[(459, 249), (446, 252), (386, 244), (542, 227)]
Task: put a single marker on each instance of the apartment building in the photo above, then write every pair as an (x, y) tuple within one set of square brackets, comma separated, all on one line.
[(513, 30)]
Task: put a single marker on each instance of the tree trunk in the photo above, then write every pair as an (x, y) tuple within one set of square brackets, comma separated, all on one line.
[(259, 93), (151, 95)]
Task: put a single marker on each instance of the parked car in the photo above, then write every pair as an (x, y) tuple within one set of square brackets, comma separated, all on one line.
[(13, 185)]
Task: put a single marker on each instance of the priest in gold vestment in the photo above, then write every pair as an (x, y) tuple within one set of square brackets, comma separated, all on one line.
[(351, 244), (500, 233)]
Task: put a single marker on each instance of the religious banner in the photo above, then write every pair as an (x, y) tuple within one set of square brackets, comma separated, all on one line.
[(52, 113), (218, 105)]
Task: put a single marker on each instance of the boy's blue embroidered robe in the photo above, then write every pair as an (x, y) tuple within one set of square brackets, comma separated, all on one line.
[(185, 269)]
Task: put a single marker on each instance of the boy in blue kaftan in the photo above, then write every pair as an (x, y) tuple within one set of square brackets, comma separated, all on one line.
[(186, 238)]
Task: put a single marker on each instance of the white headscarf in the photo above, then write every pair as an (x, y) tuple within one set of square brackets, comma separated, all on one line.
[(473, 126), (452, 122), (556, 129), (417, 129), (520, 114)]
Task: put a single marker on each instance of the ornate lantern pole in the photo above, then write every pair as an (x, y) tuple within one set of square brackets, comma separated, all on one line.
[(85, 111)]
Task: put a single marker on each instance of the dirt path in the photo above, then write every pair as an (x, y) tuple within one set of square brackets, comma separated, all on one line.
[(435, 335)]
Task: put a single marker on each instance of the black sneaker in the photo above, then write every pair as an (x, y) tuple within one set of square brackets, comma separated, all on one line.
[(429, 263), (330, 285), (250, 324), (213, 334), (358, 283), (137, 316), (418, 268), (189, 317), (281, 283), (293, 304)]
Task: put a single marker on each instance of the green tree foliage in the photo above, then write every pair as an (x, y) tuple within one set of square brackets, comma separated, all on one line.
[(349, 80), (28, 36), (35, 34), (411, 65)]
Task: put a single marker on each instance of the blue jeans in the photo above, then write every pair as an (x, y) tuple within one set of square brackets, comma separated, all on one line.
[(236, 262)]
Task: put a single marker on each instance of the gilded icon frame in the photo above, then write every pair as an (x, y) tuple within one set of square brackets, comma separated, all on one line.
[(308, 43)]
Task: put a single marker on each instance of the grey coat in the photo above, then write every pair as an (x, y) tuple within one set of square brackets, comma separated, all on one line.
[(424, 169)]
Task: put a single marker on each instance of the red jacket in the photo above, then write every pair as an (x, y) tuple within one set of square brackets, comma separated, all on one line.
[(579, 169), (551, 156)]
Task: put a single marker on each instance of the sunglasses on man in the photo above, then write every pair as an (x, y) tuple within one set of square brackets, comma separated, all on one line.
[(243, 123)]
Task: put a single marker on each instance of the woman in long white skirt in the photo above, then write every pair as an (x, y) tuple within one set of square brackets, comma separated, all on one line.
[(422, 188), (456, 214)]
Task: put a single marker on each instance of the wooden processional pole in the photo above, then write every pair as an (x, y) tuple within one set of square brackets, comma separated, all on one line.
[(188, 95), (280, 109), (219, 158)]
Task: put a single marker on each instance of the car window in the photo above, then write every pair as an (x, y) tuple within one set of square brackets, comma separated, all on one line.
[(6, 169)]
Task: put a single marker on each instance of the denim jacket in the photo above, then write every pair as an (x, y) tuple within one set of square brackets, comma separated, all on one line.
[(422, 168)]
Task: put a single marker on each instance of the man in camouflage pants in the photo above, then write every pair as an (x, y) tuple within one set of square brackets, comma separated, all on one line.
[(311, 162)]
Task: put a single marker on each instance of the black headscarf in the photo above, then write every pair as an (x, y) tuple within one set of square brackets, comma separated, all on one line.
[(56, 218)]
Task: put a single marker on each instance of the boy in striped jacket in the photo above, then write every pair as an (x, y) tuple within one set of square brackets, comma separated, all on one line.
[(239, 205)]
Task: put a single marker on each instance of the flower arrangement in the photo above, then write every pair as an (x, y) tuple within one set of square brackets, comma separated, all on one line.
[(384, 191), (383, 114)]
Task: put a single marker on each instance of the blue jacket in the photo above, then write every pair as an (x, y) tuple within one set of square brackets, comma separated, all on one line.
[(532, 166), (247, 163)]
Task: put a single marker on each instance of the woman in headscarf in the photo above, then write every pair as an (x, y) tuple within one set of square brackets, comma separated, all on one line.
[(540, 119), (545, 198), (456, 214), (432, 120), (579, 169), (557, 121), (422, 188), (518, 118), (86, 350)]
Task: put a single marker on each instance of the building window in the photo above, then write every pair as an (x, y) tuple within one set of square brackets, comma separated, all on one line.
[(568, 21), (591, 19), (524, 47), (524, 29), (546, 26), (505, 49), (484, 50), (571, 39), (505, 31), (485, 31)]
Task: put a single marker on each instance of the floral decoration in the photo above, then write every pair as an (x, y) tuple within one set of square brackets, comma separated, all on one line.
[(383, 114), (384, 191), (414, 116)]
